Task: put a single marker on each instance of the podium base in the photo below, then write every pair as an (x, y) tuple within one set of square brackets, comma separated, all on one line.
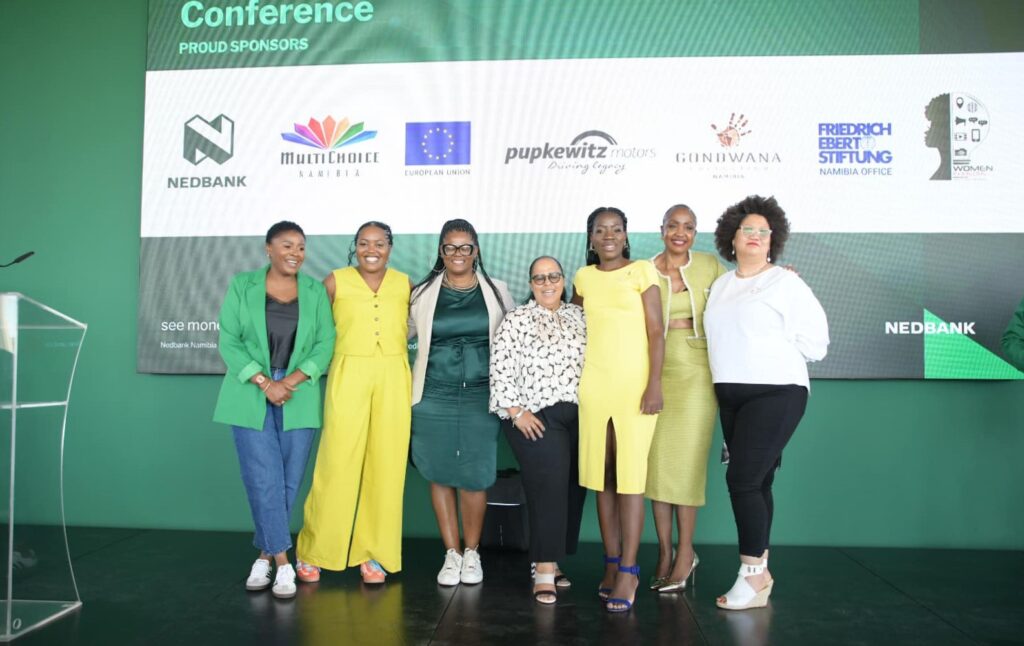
[(28, 615)]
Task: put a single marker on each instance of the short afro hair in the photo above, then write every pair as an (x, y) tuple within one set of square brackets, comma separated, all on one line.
[(730, 220), (283, 226)]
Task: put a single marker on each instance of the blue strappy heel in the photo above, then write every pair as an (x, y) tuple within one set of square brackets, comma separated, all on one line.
[(604, 592), (626, 604)]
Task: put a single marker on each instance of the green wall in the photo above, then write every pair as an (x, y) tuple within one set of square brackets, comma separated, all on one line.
[(874, 463)]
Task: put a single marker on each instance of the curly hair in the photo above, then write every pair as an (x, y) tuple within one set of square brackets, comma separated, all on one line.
[(730, 220), (592, 258)]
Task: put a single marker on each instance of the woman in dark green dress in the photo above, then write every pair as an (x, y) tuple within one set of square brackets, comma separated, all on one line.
[(455, 311)]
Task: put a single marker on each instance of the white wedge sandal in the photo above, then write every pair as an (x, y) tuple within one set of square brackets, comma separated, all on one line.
[(741, 595)]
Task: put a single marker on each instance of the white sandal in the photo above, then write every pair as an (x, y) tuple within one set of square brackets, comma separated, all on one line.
[(741, 595), (547, 597)]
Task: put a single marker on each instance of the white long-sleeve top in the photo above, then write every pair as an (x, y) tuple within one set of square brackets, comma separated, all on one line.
[(764, 329)]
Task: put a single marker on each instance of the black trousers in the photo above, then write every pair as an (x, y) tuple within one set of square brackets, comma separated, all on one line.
[(757, 421), (550, 472)]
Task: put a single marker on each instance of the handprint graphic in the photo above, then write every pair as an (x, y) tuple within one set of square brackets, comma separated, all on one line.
[(730, 136)]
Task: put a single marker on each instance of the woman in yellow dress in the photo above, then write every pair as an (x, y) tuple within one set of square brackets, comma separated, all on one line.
[(677, 465), (620, 393), (364, 447)]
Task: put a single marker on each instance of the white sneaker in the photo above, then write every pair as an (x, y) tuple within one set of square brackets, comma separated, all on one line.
[(259, 575), (472, 571), (449, 574), (284, 582)]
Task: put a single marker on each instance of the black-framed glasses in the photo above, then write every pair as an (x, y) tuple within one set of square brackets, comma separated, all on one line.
[(553, 278), (460, 249), (750, 232)]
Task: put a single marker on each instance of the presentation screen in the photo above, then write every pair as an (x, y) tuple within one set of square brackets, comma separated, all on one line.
[(900, 171)]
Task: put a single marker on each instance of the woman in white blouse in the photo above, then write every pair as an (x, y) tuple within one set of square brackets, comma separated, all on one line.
[(536, 361), (763, 325)]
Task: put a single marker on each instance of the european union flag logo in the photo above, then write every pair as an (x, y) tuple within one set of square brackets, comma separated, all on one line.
[(437, 143)]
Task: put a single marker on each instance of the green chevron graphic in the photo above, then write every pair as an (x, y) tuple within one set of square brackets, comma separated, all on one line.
[(956, 356)]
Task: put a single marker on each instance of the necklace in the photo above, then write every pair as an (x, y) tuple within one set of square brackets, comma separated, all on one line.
[(754, 273), (447, 283)]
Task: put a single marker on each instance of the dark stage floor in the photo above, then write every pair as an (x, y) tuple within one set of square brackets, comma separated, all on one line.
[(179, 587)]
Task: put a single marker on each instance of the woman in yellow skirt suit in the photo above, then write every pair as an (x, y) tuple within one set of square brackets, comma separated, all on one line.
[(677, 465), (620, 393), (364, 447)]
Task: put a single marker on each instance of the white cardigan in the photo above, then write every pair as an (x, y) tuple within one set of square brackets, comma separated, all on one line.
[(421, 322)]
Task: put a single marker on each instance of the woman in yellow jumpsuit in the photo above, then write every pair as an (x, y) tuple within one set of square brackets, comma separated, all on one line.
[(364, 447)]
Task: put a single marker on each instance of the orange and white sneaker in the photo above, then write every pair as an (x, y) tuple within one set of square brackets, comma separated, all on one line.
[(307, 573)]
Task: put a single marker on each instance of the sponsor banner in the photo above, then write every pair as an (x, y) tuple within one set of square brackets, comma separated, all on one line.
[(897, 147)]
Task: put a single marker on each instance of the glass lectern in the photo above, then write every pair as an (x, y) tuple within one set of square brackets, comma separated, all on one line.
[(39, 350)]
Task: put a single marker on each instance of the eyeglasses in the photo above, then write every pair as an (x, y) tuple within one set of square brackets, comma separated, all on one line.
[(461, 249), (540, 279), (750, 232)]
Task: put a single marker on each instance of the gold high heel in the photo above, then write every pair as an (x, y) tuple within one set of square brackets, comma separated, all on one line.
[(676, 586)]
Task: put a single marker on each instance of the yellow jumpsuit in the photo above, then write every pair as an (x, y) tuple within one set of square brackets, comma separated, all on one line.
[(365, 442), (615, 372)]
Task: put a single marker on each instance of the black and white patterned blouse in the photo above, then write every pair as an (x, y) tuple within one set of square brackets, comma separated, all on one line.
[(537, 357)]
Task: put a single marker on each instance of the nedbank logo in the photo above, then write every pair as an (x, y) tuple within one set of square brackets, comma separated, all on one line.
[(209, 139)]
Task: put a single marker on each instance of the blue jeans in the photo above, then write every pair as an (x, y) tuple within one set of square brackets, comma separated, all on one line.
[(273, 464)]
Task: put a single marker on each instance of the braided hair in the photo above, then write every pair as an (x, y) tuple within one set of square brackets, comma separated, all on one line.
[(437, 270), (355, 239)]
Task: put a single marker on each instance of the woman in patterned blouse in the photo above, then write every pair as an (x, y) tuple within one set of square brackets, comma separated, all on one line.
[(536, 363)]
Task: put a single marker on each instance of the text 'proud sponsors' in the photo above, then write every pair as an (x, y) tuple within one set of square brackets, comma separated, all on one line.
[(196, 14)]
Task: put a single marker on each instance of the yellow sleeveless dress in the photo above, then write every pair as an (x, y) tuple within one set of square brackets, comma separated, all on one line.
[(615, 371)]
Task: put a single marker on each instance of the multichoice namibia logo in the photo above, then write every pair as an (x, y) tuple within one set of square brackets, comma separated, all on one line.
[(438, 143), (331, 140), (208, 139)]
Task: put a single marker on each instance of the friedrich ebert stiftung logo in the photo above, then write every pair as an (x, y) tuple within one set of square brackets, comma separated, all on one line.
[(438, 143), (204, 139), (331, 156)]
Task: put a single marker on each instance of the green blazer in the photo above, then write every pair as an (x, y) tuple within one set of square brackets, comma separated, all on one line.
[(244, 348)]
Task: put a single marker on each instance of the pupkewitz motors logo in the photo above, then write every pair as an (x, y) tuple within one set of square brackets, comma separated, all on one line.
[(591, 150), (331, 139), (202, 140), (438, 143)]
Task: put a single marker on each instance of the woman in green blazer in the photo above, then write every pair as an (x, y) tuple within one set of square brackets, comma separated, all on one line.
[(276, 338)]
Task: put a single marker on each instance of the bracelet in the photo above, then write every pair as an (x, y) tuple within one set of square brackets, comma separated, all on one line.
[(266, 386), (516, 417)]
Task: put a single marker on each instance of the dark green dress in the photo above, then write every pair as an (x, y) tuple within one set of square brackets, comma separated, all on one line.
[(454, 437)]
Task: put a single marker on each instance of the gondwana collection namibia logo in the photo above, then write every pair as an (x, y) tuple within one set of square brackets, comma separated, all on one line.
[(737, 159), (204, 139), (438, 143), (329, 137)]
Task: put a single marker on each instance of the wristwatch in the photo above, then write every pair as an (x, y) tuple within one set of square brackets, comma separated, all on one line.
[(260, 380)]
